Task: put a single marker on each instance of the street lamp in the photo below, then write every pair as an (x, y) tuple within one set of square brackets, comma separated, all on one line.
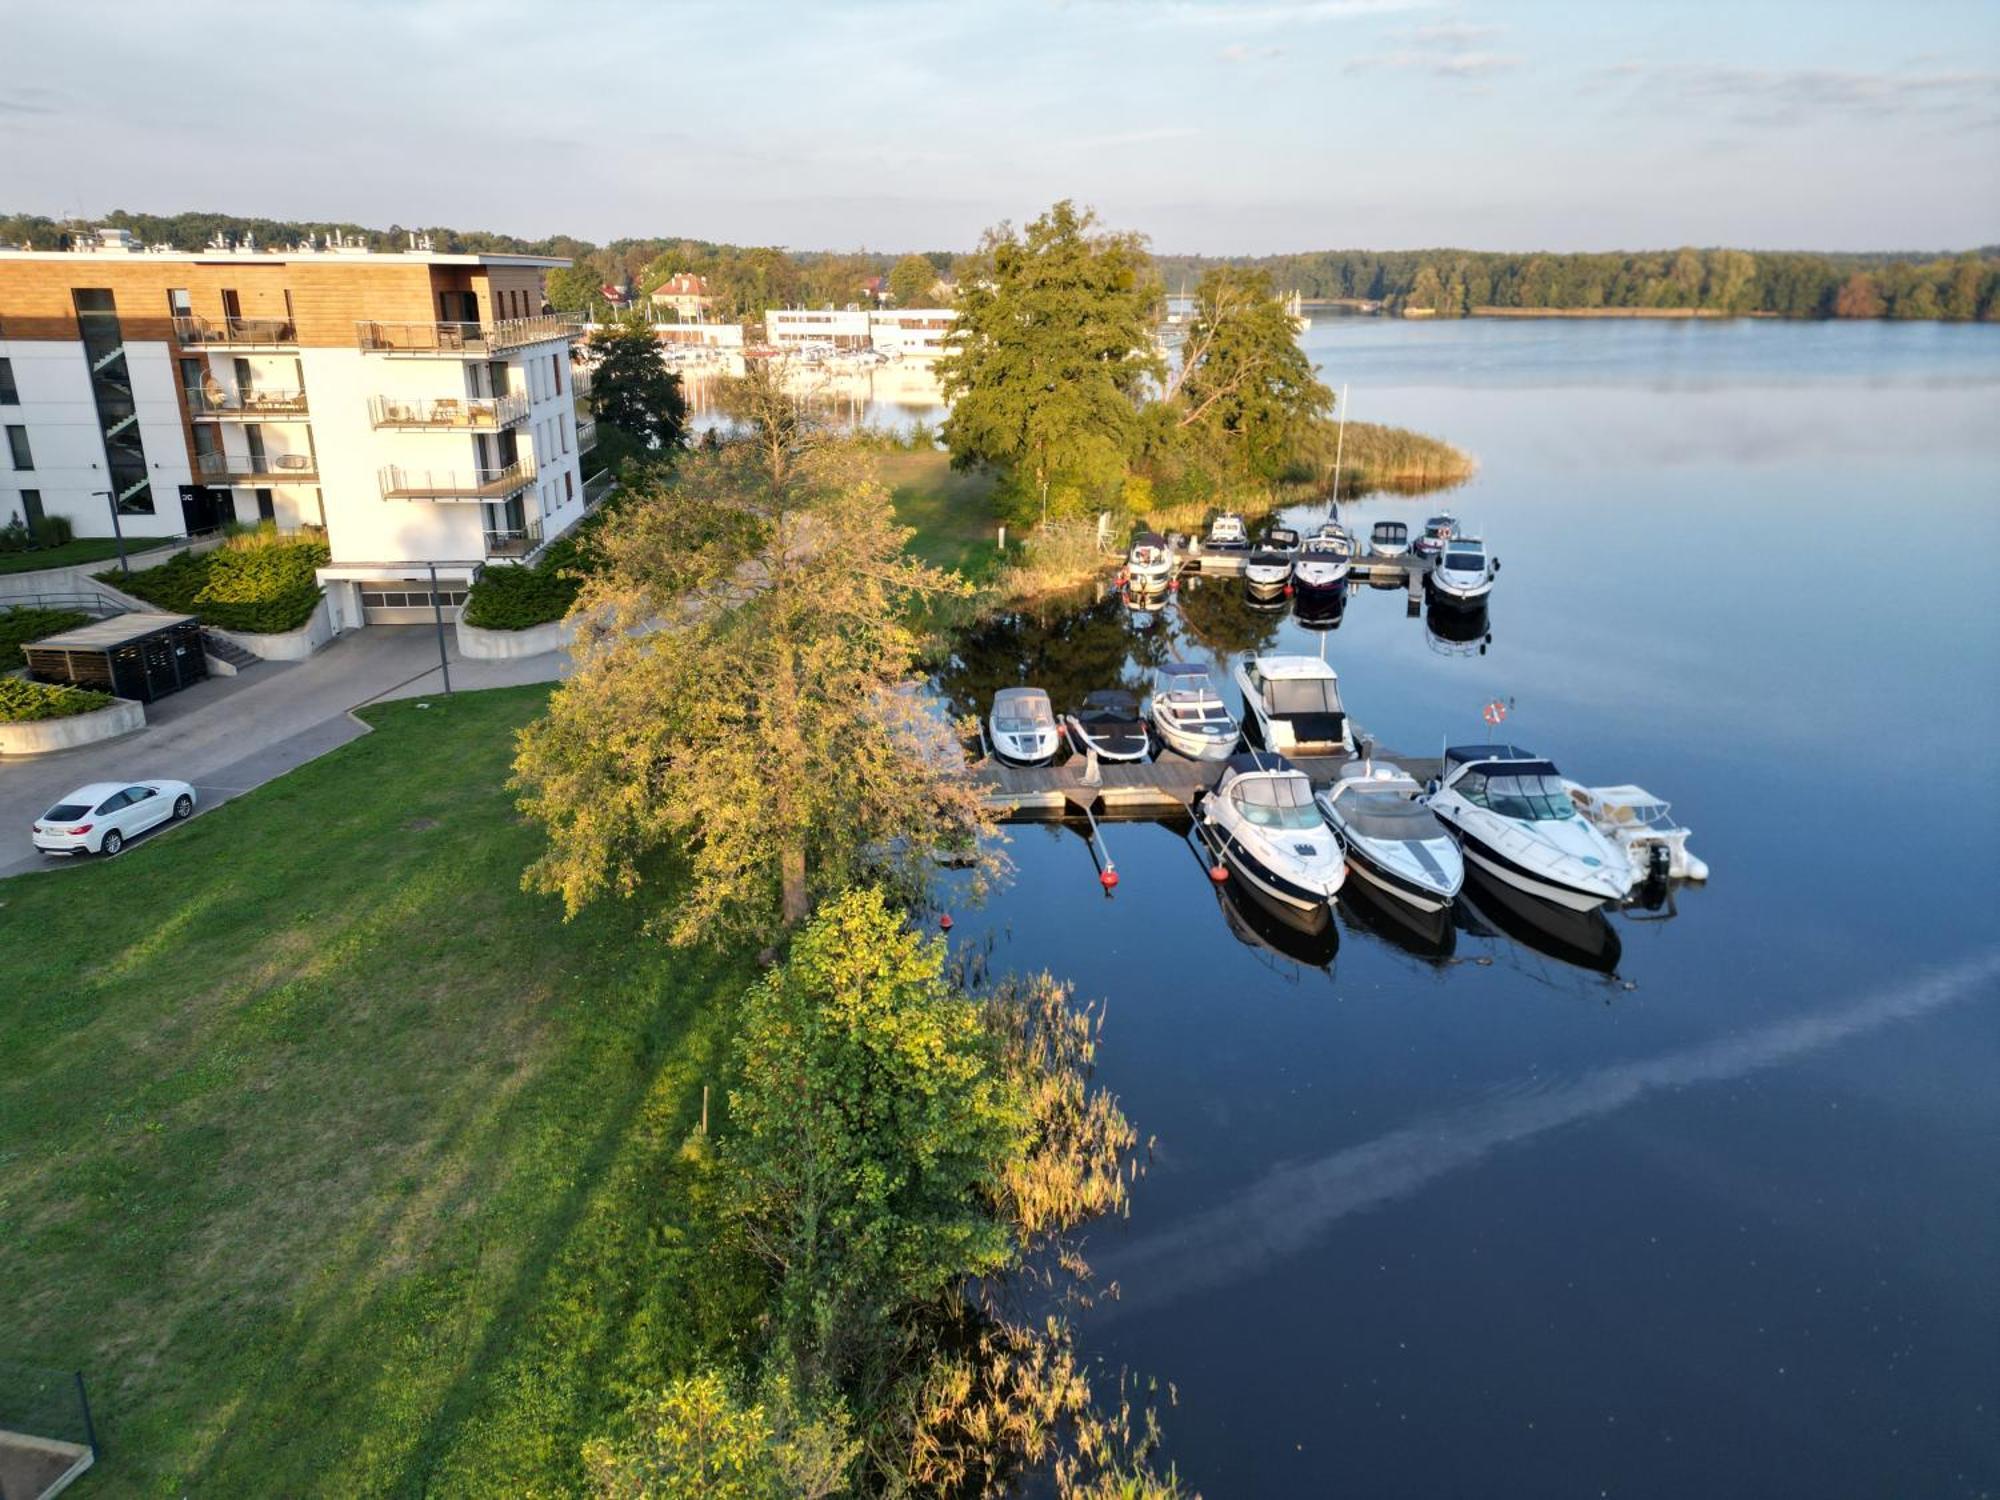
[(116, 530)]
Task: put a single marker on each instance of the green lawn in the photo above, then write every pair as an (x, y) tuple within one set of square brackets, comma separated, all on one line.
[(82, 550), (337, 1164), (952, 510)]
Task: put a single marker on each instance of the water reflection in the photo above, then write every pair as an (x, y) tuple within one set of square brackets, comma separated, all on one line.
[(1429, 935), (893, 395), (1457, 629), (1585, 939)]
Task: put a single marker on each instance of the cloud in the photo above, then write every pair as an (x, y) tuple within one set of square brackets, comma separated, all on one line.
[(1135, 137), (1243, 52), (27, 102), (1461, 34), (1263, 14), (1799, 96), (1442, 64), (1292, 1206)]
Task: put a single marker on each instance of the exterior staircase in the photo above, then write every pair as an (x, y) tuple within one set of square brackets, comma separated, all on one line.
[(225, 657)]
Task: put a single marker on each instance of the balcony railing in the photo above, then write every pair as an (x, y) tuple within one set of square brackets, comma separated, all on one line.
[(249, 406), (462, 338), (263, 333), (279, 468), (586, 434), (597, 487), (514, 543), (456, 484), (580, 382), (448, 414)]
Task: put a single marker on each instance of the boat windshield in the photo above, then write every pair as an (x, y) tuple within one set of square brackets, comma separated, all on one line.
[(1022, 716), (1465, 562), (1302, 695), (1532, 798), (1276, 801)]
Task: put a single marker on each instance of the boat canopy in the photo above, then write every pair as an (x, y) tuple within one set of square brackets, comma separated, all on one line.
[(1250, 762), (1531, 791), (1384, 815), (1149, 539), (1110, 703), (1177, 677), (1465, 755), (1016, 710), (1629, 806)]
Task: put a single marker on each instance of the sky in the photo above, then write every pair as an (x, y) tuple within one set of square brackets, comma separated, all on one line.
[(1215, 126)]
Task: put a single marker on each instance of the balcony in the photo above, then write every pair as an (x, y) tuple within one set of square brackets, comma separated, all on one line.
[(448, 414), (237, 333), (514, 544), (475, 339), (586, 434), (456, 484), (246, 406), (250, 468)]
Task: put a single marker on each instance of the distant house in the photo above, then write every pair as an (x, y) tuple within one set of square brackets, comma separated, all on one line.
[(686, 295), (874, 288), (615, 295)]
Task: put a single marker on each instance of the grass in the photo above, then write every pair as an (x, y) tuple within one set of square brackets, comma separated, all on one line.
[(951, 509), (86, 549), (337, 1164)]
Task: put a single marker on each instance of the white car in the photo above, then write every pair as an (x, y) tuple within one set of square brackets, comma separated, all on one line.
[(102, 817)]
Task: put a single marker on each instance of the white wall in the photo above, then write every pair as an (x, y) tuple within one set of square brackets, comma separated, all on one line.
[(784, 326)]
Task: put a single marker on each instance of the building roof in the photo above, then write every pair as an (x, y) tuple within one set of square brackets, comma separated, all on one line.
[(682, 284), (286, 256), (103, 635)]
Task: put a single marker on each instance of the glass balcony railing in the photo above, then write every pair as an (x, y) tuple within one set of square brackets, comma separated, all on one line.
[(255, 333), (456, 484), (586, 434), (247, 468), (463, 338), (251, 405), (448, 413), (514, 543)]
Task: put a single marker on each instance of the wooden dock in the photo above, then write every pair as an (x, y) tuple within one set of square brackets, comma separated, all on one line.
[(1144, 790), (1406, 572)]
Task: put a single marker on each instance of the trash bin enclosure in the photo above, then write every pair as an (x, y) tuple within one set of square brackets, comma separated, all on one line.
[(139, 656)]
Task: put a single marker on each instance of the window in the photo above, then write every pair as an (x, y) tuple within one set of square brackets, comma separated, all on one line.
[(555, 370), (1309, 695), (1276, 801), (569, 486), (10, 394), (179, 304), (31, 507), (17, 444)]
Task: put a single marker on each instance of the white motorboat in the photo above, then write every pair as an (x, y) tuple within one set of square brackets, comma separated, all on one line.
[(1262, 823), (1268, 570), (1023, 726), (1438, 530), (1226, 533), (1389, 539), (1464, 573), (1295, 702), (1319, 573), (1189, 715), (1643, 826), (1393, 841), (1110, 724), (1149, 566), (1511, 812)]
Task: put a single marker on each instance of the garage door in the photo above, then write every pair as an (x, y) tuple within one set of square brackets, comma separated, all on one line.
[(407, 601)]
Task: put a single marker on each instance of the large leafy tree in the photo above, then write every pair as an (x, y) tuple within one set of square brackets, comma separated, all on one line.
[(632, 388), (1051, 354), (911, 280), (1244, 383), (738, 701)]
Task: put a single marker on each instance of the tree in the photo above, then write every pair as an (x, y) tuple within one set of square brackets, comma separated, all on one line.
[(631, 386), (1858, 298), (1051, 353), (1244, 383), (739, 701), (573, 289), (696, 1441), (911, 280)]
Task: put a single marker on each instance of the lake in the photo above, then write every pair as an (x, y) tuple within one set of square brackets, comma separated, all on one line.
[(1711, 1209)]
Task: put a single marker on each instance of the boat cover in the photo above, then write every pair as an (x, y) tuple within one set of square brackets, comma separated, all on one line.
[(1377, 815)]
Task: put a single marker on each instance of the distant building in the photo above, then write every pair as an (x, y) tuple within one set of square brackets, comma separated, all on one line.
[(685, 295), (793, 328), (911, 330), (700, 335), (615, 295)]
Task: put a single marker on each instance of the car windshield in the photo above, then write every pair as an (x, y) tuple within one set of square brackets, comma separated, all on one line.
[(1307, 695), (1276, 801), (62, 812), (1533, 799)]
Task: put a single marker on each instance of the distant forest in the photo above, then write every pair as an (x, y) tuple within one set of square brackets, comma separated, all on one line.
[(1443, 283)]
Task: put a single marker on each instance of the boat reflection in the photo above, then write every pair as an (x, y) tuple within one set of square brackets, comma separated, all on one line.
[(1427, 935), (1584, 938), (1457, 629), (1220, 617), (1257, 929), (1320, 612)]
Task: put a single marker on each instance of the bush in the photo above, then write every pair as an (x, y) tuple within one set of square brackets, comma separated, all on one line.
[(19, 626), (261, 583), (50, 531), (24, 702), (514, 598)]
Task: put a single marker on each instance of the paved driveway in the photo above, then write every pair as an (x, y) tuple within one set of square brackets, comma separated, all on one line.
[(230, 734)]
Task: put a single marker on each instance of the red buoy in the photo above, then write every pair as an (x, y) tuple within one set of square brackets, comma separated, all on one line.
[(944, 920), (1218, 872), (1108, 879)]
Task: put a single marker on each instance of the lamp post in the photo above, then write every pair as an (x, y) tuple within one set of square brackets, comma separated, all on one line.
[(437, 614), (117, 530)]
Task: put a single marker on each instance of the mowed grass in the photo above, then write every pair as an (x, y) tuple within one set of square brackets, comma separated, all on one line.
[(336, 1163), (951, 510), (83, 550)]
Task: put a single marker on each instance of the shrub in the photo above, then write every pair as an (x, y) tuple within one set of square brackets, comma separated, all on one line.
[(23, 702), (514, 598), (261, 583), (19, 626), (50, 531)]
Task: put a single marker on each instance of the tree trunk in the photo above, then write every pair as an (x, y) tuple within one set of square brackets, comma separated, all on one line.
[(792, 872)]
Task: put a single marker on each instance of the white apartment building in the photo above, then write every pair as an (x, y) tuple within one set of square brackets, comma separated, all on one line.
[(419, 407), (898, 331), (916, 331)]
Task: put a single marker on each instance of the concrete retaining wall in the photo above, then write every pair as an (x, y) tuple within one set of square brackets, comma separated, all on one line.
[(477, 644), (290, 645), (44, 735), (76, 579)]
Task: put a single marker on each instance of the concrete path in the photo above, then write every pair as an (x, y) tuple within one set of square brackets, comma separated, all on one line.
[(229, 735)]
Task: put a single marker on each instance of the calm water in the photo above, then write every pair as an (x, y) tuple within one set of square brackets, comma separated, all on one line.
[(1481, 1217)]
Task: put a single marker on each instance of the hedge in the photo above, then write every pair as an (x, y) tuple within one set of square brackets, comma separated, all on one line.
[(19, 626), (262, 588), (514, 598), (23, 702)]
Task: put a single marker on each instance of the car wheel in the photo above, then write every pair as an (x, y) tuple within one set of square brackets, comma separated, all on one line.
[(183, 805), (113, 842)]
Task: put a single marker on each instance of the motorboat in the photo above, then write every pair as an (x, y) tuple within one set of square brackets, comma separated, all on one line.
[(1110, 724), (1438, 530), (1226, 533), (1511, 812), (1321, 569), (1393, 841), (1261, 822), (1023, 726), (1149, 566), (1643, 826), (1295, 704), (1389, 539), (1268, 570), (1463, 575), (1189, 715)]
